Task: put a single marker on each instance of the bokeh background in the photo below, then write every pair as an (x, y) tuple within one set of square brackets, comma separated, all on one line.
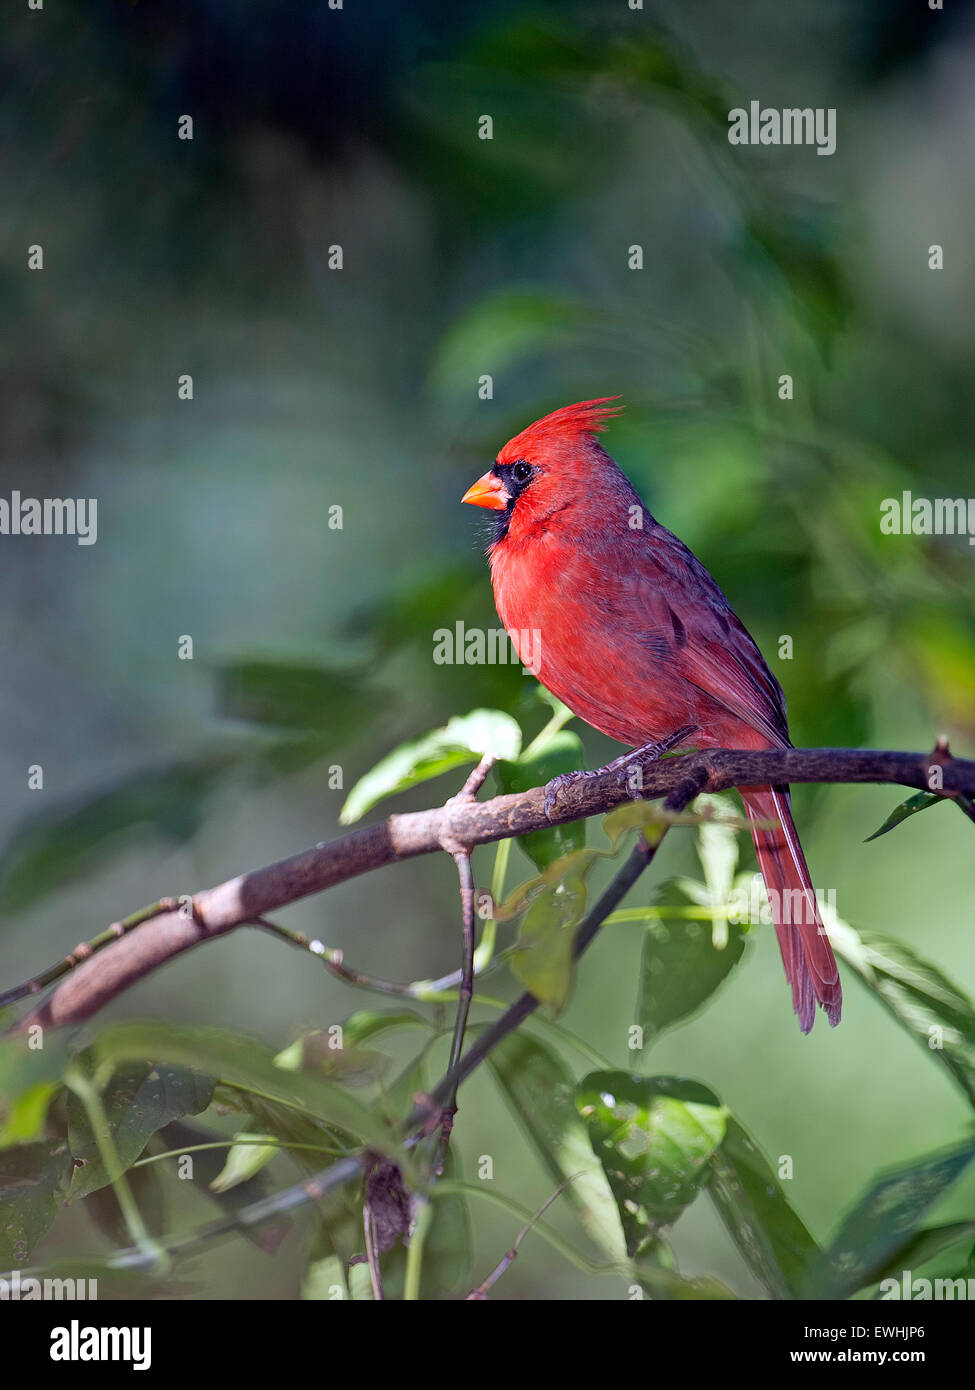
[(358, 387)]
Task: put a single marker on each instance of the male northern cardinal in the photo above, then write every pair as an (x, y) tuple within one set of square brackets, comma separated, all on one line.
[(627, 627)]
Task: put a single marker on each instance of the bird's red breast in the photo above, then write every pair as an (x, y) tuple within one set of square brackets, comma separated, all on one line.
[(624, 623)]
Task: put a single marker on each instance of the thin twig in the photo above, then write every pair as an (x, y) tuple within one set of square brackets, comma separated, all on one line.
[(475, 781), (331, 958), (461, 855), (508, 1258), (466, 994), (372, 1255), (85, 950)]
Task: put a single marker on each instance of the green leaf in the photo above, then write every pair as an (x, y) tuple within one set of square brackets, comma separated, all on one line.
[(400, 1093), (680, 968), (244, 1161), (717, 849), (668, 1285), (633, 815), (324, 1280), (540, 1089), (246, 1063), (560, 753), (308, 1142), (23, 1066), (30, 1077), (771, 1237), (655, 1137), (921, 1247), (316, 1051), (140, 1099), (32, 1182), (360, 1287), (882, 1221), (918, 995), (448, 1248), (561, 714), (369, 1023), (545, 936), (543, 961), (920, 801), (24, 1121), (464, 739)]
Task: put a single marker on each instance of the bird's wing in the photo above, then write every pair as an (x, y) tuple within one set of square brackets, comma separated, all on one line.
[(670, 592)]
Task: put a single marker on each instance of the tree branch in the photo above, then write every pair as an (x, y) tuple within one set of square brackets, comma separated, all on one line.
[(216, 911), (427, 1114)]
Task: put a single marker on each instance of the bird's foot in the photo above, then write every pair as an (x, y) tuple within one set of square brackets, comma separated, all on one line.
[(627, 773), (630, 765), (562, 783)]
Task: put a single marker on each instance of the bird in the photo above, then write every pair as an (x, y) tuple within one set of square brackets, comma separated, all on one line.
[(622, 622)]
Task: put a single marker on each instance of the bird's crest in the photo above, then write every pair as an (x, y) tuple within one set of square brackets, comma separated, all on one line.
[(562, 426)]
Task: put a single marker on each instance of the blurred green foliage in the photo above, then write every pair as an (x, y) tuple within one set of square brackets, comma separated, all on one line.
[(313, 646)]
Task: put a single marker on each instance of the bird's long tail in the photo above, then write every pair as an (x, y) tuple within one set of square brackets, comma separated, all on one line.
[(810, 966)]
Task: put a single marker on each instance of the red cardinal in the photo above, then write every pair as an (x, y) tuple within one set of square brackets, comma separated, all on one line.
[(625, 625)]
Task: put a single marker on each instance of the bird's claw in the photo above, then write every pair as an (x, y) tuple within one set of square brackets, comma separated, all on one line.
[(563, 783), (554, 789), (628, 769)]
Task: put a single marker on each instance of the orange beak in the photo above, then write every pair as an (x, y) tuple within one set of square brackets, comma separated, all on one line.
[(488, 491)]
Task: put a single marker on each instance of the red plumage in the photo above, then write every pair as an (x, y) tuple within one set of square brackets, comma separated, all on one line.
[(629, 629)]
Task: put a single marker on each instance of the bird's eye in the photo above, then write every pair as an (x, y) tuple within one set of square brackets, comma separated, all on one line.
[(521, 471)]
